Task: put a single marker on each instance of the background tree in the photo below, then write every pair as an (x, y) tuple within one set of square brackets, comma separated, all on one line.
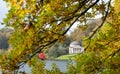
[(40, 23), (84, 30), (59, 49), (103, 51), (5, 34)]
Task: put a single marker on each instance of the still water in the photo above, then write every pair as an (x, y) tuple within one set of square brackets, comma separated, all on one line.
[(61, 64)]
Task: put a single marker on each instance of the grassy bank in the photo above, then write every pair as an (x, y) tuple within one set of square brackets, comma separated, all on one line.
[(66, 57)]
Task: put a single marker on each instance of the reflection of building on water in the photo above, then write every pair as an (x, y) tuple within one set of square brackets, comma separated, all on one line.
[(75, 48)]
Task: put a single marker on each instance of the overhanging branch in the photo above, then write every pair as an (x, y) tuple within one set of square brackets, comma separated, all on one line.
[(113, 54), (94, 32), (102, 21), (80, 16), (39, 48)]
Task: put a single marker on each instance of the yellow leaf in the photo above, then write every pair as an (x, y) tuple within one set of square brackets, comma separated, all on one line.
[(27, 11)]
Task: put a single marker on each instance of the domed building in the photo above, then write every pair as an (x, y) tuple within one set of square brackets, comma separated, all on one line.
[(75, 48)]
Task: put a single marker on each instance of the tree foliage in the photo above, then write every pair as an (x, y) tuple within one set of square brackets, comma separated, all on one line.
[(84, 30), (40, 23), (103, 48), (59, 48)]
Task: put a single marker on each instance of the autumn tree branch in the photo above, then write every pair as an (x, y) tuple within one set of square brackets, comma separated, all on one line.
[(104, 18), (80, 16), (39, 48), (113, 54)]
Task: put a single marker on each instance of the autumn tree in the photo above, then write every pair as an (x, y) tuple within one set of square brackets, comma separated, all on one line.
[(84, 30), (59, 48), (40, 23), (103, 47)]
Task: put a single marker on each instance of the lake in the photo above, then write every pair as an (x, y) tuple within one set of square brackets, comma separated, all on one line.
[(61, 64)]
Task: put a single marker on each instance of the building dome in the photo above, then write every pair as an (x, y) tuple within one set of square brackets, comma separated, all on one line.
[(75, 47), (75, 43)]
